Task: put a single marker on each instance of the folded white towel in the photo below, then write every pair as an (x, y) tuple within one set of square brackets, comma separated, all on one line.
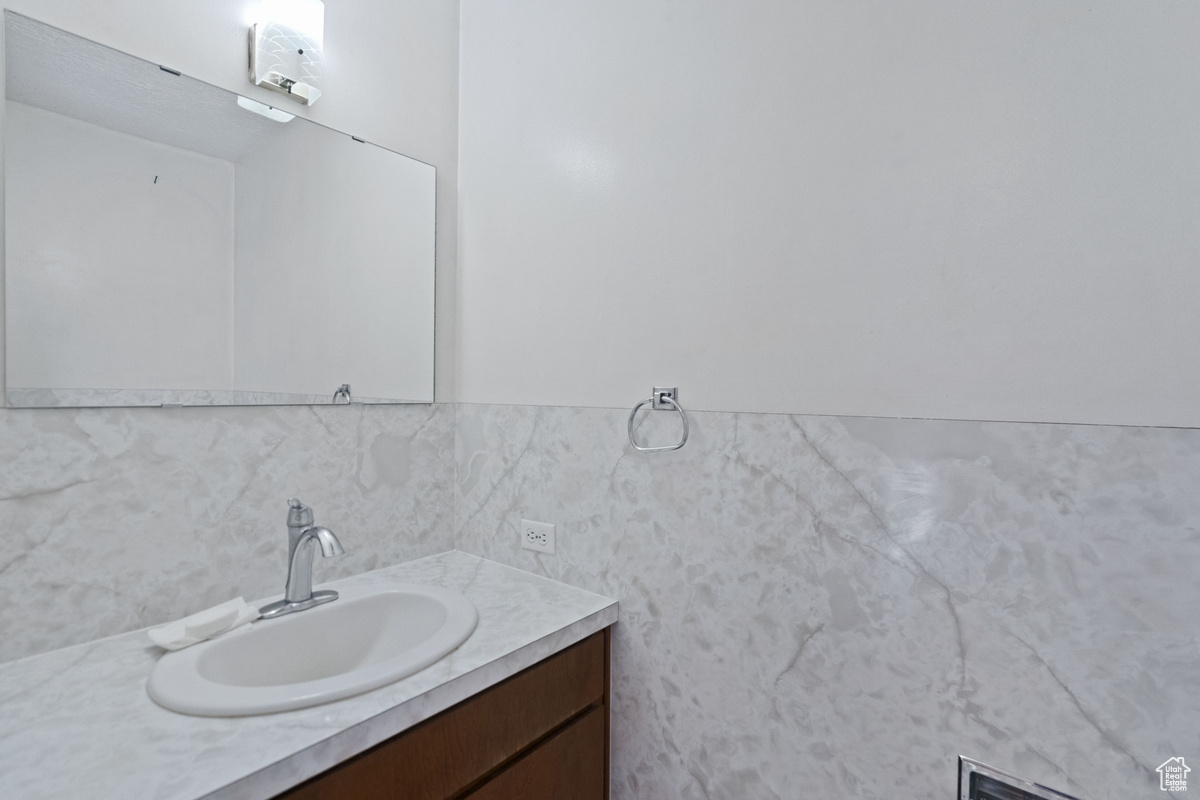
[(203, 625)]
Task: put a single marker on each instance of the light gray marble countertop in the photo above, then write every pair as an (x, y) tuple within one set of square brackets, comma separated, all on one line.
[(77, 722)]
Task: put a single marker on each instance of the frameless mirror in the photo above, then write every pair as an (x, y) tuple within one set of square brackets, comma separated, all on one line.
[(168, 242)]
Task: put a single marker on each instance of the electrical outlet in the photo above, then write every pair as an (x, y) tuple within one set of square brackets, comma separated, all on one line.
[(538, 536)]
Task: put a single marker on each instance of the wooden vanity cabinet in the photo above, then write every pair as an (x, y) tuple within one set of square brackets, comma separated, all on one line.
[(539, 735)]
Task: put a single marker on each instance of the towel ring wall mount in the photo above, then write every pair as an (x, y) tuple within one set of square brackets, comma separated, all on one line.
[(662, 399)]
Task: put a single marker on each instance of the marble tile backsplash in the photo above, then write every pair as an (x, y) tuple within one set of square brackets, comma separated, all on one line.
[(817, 606), (837, 607), (113, 519)]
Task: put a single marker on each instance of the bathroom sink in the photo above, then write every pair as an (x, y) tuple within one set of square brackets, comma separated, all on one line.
[(369, 637)]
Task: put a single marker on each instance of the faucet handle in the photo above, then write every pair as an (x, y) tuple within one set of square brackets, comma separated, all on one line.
[(299, 515)]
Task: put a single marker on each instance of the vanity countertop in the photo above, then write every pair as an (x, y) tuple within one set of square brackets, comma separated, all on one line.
[(77, 722)]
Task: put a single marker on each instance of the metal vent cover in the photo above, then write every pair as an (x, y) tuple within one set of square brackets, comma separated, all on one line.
[(977, 781)]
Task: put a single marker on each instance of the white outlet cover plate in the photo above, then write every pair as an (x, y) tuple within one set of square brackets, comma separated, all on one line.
[(537, 536)]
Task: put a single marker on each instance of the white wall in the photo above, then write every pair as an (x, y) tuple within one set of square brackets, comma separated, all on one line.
[(925, 208), (390, 77), (140, 243), (318, 302)]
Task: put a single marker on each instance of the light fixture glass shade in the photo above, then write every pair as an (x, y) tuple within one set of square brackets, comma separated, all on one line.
[(285, 48)]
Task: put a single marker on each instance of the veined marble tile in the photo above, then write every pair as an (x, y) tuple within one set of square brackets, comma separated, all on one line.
[(114, 519), (838, 607)]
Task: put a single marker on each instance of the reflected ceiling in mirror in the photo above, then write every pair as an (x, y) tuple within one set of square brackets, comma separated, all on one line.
[(169, 243)]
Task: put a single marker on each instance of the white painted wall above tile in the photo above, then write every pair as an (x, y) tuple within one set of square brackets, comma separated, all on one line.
[(928, 208)]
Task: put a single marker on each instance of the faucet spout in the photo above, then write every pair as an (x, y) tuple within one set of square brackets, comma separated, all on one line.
[(299, 582), (298, 593), (330, 546)]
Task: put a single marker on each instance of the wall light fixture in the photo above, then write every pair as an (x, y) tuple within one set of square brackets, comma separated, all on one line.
[(285, 48)]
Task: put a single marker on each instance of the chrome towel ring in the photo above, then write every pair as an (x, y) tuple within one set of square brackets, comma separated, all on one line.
[(663, 398)]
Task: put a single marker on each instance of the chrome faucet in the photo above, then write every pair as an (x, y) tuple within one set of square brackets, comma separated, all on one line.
[(302, 536)]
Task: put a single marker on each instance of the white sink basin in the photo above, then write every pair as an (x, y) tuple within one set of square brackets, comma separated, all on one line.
[(370, 636)]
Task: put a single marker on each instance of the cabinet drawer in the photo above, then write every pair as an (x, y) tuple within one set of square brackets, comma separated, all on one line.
[(567, 766), (445, 755)]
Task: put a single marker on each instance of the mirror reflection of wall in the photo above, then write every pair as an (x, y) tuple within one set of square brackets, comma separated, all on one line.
[(168, 245)]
